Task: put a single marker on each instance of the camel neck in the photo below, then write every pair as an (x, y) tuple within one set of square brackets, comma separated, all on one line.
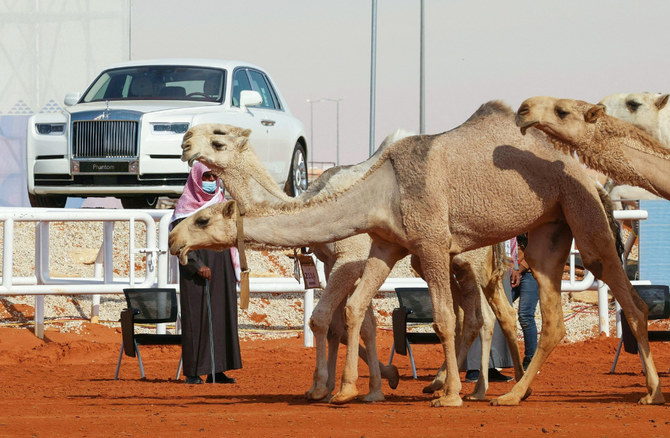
[(326, 219)]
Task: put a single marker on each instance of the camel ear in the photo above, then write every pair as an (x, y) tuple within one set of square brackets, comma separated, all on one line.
[(229, 210), (245, 133), (662, 101), (594, 113), (241, 143)]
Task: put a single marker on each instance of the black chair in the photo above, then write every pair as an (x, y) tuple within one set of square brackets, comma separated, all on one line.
[(147, 306), (657, 298), (415, 308)]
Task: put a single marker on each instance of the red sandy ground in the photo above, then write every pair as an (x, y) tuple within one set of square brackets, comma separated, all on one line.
[(65, 387)]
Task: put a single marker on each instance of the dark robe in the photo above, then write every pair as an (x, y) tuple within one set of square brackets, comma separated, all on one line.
[(194, 319)]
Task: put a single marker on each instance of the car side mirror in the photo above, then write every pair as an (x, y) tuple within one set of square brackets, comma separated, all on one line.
[(250, 98), (71, 98)]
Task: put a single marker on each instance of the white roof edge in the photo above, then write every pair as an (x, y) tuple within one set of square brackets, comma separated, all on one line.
[(198, 62)]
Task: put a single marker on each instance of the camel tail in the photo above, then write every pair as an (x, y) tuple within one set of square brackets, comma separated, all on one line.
[(615, 227), (500, 264)]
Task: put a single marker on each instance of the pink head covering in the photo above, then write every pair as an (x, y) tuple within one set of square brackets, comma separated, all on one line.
[(194, 197)]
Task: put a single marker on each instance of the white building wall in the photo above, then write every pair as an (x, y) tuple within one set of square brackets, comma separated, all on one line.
[(47, 49)]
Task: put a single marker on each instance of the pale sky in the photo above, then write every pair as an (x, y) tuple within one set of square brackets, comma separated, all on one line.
[(475, 51)]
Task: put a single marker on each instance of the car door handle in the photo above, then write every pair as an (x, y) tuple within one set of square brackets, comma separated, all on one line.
[(267, 122)]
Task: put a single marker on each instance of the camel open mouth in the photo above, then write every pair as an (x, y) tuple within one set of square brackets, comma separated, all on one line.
[(181, 252), (192, 159), (525, 127)]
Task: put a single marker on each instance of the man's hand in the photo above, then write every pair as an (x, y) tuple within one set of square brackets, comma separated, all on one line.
[(515, 277), (205, 272)]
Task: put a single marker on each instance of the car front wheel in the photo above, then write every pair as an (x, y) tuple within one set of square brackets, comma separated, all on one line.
[(297, 177)]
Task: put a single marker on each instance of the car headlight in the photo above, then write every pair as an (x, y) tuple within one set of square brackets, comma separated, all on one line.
[(50, 128), (170, 128)]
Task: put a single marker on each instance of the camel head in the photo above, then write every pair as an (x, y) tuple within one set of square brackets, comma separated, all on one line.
[(640, 109), (214, 144), (213, 227), (567, 120)]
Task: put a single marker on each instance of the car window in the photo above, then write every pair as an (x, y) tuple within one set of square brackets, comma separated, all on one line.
[(240, 83), (260, 84), (158, 82)]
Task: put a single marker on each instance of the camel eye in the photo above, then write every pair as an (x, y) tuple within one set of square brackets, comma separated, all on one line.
[(633, 105), (218, 145), (202, 221), (219, 132), (561, 113)]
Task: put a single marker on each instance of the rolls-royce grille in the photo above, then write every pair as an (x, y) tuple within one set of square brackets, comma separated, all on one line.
[(104, 139)]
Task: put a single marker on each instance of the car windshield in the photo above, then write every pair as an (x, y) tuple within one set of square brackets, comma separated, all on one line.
[(158, 83)]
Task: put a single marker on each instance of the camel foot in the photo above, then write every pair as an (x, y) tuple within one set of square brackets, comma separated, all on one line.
[(433, 387), (447, 400), (373, 396), (318, 393), (649, 399), (475, 397), (439, 393), (508, 399), (345, 395), (527, 394), (394, 377)]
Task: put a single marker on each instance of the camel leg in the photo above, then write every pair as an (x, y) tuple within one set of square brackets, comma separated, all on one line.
[(369, 335), (606, 265), (437, 271), (506, 316), (337, 288), (548, 247), (383, 257), (486, 335), (465, 323), (335, 332)]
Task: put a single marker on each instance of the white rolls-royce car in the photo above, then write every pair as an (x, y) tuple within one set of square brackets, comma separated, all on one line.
[(123, 136)]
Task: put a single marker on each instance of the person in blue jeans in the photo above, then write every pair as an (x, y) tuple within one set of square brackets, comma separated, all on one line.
[(524, 287)]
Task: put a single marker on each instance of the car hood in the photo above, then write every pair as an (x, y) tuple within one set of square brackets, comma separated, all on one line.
[(143, 106)]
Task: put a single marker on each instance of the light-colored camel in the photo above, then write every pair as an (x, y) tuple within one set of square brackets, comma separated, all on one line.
[(605, 143), (225, 150), (480, 183), (649, 112)]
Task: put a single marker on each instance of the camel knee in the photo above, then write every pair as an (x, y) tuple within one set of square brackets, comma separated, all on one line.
[(443, 331), (319, 322)]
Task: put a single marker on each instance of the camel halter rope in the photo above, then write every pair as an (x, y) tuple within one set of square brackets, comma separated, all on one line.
[(244, 269)]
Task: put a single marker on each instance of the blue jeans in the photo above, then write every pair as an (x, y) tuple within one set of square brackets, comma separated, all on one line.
[(528, 295)]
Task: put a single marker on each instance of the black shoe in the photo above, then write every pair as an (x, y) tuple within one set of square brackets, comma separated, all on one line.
[(471, 376), (526, 362), (193, 380), (220, 378), (497, 376)]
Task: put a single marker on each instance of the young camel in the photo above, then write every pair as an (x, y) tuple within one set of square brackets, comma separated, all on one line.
[(225, 149), (605, 143), (428, 193)]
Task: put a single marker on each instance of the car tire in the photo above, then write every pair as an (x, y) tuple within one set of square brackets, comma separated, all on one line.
[(48, 201), (297, 176), (140, 202)]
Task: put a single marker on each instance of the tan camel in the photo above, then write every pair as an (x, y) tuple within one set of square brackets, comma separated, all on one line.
[(605, 143), (226, 150), (428, 193)]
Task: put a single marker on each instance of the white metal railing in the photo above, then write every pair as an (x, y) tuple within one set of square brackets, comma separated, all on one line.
[(161, 272)]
